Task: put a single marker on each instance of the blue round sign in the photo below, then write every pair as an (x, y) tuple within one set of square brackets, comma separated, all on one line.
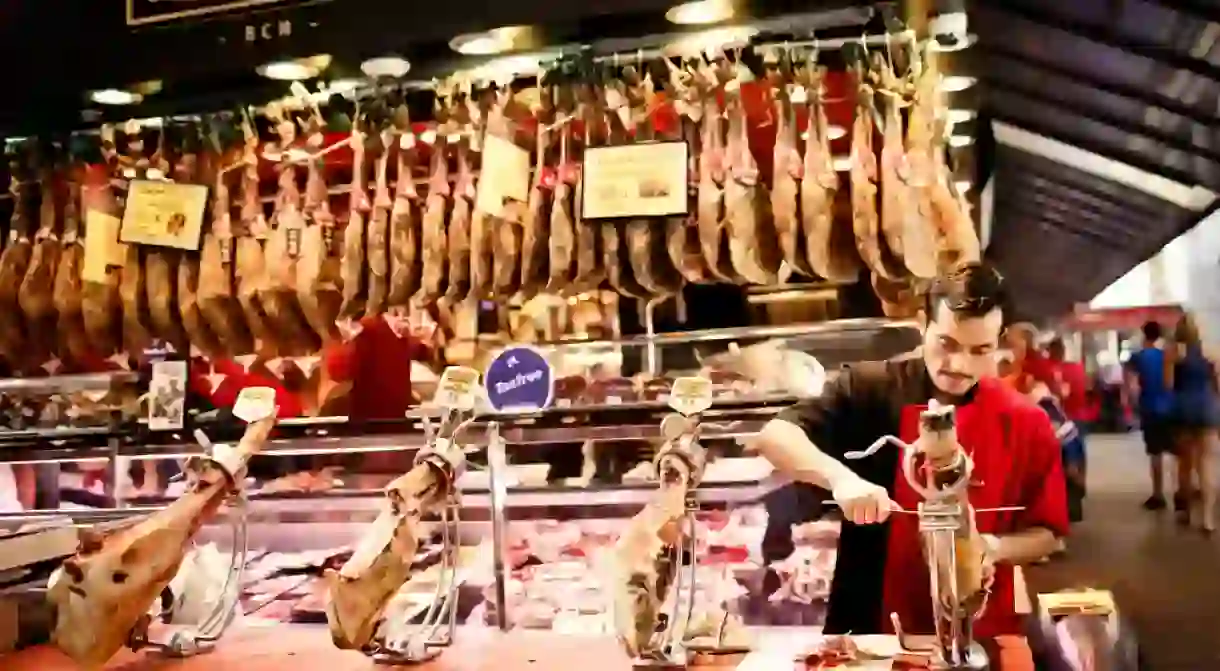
[(519, 378)]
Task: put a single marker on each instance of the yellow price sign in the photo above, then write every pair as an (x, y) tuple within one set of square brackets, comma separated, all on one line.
[(691, 395), (457, 388)]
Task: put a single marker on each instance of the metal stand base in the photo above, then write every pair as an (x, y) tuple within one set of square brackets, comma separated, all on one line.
[(203, 636), (976, 660)]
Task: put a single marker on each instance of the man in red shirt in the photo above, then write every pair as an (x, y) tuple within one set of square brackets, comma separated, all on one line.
[(1017, 462), (1073, 382)]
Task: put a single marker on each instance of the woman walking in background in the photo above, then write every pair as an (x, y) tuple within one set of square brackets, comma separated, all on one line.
[(1192, 376)]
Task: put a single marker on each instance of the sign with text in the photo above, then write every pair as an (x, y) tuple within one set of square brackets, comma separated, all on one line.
[(504, 181), (147, 12), (457, 388), (164, 214), (519, 378), (635, 180)]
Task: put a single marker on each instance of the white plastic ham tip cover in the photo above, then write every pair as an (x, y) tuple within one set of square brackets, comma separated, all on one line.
[(254, 403)]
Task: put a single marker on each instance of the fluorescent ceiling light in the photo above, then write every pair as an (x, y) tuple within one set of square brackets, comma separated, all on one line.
[(115, 97), (494, 41), (508, 67), (960, 140), (712, 40), (960, 115), (960, 45), (701, 12), (952, 83), (295, 69), (386, 66), (842, 163)]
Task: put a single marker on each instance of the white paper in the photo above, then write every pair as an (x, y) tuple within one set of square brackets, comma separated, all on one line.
[(167, 395), (254, 403), (457, 388), (505, 176)]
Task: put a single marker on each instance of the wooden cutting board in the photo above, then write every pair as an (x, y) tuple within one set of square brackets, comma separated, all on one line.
[(308, 648)]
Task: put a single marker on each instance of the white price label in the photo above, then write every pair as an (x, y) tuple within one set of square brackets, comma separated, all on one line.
[(254, 403), (229, 459), (457, 388), (691, 395)]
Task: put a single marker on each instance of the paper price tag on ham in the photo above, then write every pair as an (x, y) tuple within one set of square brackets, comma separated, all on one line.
[(254, 403), (457, 388), (691, 395)]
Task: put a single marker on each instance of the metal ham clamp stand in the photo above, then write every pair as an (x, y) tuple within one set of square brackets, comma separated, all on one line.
[(382, 563), (940, 472), (657, 542), (105, 595)]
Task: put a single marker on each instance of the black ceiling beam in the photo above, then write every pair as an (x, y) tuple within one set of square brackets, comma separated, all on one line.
[(1084, 201), (1153, 52), (1058, 219), (1197, 9), (1119, 194), (1121, 231), (1081, 141), (1106, 117), (1004, 52)]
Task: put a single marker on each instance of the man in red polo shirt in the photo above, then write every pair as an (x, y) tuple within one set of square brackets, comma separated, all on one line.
[(1016, 456)]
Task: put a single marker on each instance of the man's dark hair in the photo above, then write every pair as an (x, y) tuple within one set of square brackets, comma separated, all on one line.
[(1152, 331), (970, 290)]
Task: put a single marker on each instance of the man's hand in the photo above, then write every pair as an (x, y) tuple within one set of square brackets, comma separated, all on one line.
[(862, 502)]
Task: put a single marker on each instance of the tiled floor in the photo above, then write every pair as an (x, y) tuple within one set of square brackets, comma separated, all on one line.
[(1166, 579)]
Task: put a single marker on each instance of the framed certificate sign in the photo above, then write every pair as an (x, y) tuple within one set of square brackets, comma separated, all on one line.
[(164, 214), (635, 180)]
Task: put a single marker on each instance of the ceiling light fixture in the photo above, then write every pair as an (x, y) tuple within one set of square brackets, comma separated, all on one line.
[(953, 83), (115, 97), (386, 66), (295, 69), (716, 39), (958, 45), (960, 140), (494, 41), (700, 12), (342, 86), (960, 115)]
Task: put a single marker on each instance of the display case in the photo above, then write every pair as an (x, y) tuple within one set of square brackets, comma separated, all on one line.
[(536, 557)]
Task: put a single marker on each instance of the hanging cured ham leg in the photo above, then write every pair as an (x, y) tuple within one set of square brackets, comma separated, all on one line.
[(318, 271), (534, 247), (489, 120), (646, 238), (355, 282), (786, 172), (253, 278), (37, 297), (682, 233), (710, 209), (866, 223), (459, 226), (15, 261), (594, 263), (753, 245), (283, 256), (379, 232), (105, 591), (74, 342), (434, 237), (100, 303), (190, 268), (406, 232), (137, 329), (217, 294), (562, 241), (161, 263), (831, 244), (908, 236), (620, 274)]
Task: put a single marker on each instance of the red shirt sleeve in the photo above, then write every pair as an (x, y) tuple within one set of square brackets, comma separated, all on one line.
[(236, 379), (1044, 493)]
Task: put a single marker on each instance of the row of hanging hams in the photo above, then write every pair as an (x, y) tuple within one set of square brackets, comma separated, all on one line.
[(388, 218)]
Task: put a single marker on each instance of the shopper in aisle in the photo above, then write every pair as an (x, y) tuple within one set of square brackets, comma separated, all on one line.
[(881, 568), (1192, 376), (1146, 379)]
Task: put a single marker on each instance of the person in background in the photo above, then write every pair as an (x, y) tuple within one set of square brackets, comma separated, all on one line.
[(1192, 377), (1072, 381), (1146, 379), (881, 568), (1028, 363)]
